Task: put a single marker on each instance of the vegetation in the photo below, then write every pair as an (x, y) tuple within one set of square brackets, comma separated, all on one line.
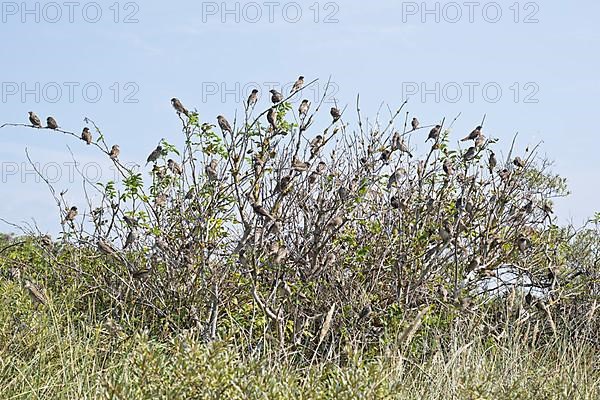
[(274, 260)]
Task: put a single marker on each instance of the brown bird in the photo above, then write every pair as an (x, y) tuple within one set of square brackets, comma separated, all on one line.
[(272, 117), (71, 214), (179, 107), (492, 162), (131, 222), (321, 167), (415, 124), (86, 136), (315, 145), (174, 167), (298, 85), (276, 97), (283, 184), (114, 152), (522, 243), (335, 223), (445, 232), (304, 107), (51, 123), (473, 135), (224, 124), (156, 153), (299, 166), (385, 156), (335, 114), (470, 154), (35, 120), (253, 98), (105, 247), (448, 167), (434, 133), (260, 210), (504, 174), (404, 148), (519, 162), (479, 141), (211, 170), (36, 294), (131, 238)]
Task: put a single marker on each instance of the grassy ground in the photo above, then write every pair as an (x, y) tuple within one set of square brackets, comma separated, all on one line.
[(47, 354)]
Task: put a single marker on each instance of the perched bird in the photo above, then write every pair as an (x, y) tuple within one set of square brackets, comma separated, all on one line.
[(156, 153), (131, 238), (179, 107), (51, 123), (298, 85), (276, 97), (504, 174), (479, 141), (492, 162), (404, 148), (448, 167), (35, 120), (335, 223), (321, 167), (415, 124), (36, 294), (283, 184), (396, 138), (114, 152), (365, 312), (253, 98), (174, 167), (473, 135), (71, 214), (272, 118), (395, 177), (315, 145), (385, 156), (522, 243), (470, 154), (299, 166), (131, 222), (303, 108), (313, 177), (260, 210), (434, 133), (86, 136), (445, 232), (211, 170), (224, 124), (105, 247), (335, 114), (395, 202), (519, 162), (160, 200)]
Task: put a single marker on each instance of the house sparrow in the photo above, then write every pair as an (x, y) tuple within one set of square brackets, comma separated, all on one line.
[(174, 167), (519, 162), (473, 135), (492, 162), (299, 166), (470, 154), (179, 107), (211, 170), (303, 108), (415, 124), (224, 124), (105, 247), (115, 151), (276, 97), (315, 145), (253, 98), (71, 214), (86, 136), (51, 123), (36, 294), (272, 118), (35, 120), (298, 85), (260, 210), (335, 114), (156, 153), (434, 133)]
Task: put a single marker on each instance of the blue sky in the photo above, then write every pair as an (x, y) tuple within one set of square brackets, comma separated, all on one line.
[(207, 53)]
